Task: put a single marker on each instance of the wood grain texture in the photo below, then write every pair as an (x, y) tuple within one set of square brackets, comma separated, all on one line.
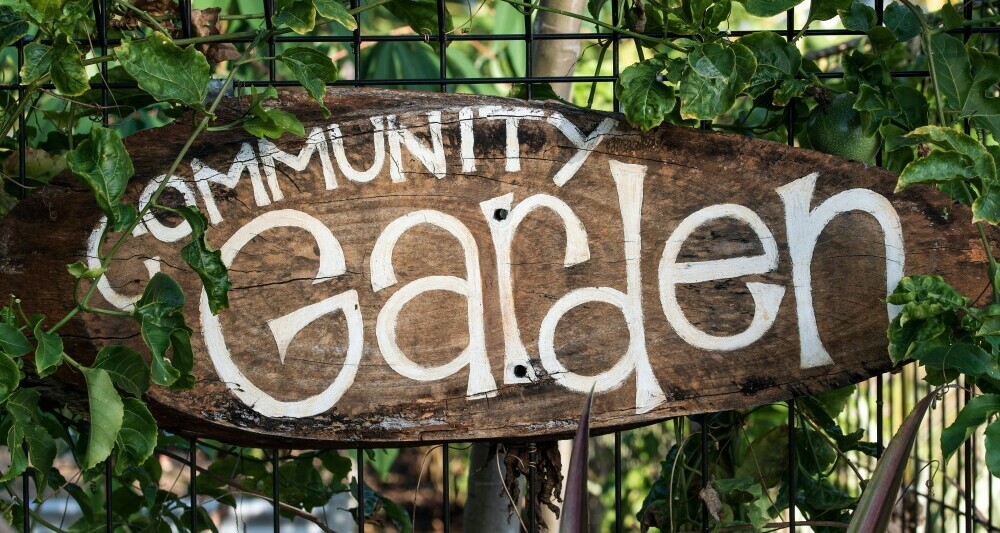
[(273, 274)]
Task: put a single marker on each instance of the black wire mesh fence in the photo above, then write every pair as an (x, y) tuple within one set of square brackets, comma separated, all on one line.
[(957, 496)]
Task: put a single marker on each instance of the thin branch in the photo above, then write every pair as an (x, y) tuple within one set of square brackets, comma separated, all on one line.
[(204, 471)]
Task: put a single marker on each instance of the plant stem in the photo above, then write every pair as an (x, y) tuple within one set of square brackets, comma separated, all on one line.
[(925, 43), (596, 22), (106, 260), (143, 15)]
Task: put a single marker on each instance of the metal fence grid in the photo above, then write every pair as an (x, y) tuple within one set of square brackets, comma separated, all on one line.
[(957, 497)]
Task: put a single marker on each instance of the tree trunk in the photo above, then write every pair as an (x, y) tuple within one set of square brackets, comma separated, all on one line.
[(557, 57), (487, 506)]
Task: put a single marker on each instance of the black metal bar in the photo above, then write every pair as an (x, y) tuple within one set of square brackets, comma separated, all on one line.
[(792, 460), (446, 485), (457, 81), (703, 429), (879, 409), (109, 525), (792, 466), (616, 46), (25, 502), (619, 517), (269, 24), (361, 490), (528, 36), (532, 487), (22, 181), (442, 39), (276, 490), (356, 40), (193, 485), (989, 30)]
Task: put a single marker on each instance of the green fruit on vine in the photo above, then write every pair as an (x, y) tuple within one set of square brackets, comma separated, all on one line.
[(836, 129)]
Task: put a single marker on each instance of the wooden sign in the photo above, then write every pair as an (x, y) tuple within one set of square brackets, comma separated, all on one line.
[(428, 267)]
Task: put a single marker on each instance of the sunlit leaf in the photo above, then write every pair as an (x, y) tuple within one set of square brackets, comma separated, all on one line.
[(66, 68), (335, 11), (645, 98), (165, 70), (313, 69), (299, 15), (106, 413), (103, 165), (49, 353)]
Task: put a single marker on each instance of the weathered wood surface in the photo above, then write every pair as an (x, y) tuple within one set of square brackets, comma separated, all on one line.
[(631, 194)]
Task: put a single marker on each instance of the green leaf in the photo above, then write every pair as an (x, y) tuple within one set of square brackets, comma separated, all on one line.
[(950, 17), (876, 109), (913, 105), (273, 123), (13, 341), (313, 69), (948, 139), (835, 401), (767, 457), (769, 8), (963, 357), (106, 414), (137, 438), (160, 314), (926, 296), (860, 17), (539, 91), (161, 294), (10, 376), (375, 502), (993, 448), (982, 106), (881, 39), (826, 9), (777, 60), (938, 167), (987, 206), (974, 414), (205, 261), (421, 15), (81, 270), (49, 354), (103, 165), (299, 15), (12, 26), (645, 99), (954, 70), (716, 74), (901, 22), (127, 369), (67, 70), (166, 71), (37, 60), (335, 11)]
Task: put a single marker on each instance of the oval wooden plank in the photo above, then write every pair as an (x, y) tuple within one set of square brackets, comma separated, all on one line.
[(440, 267)]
